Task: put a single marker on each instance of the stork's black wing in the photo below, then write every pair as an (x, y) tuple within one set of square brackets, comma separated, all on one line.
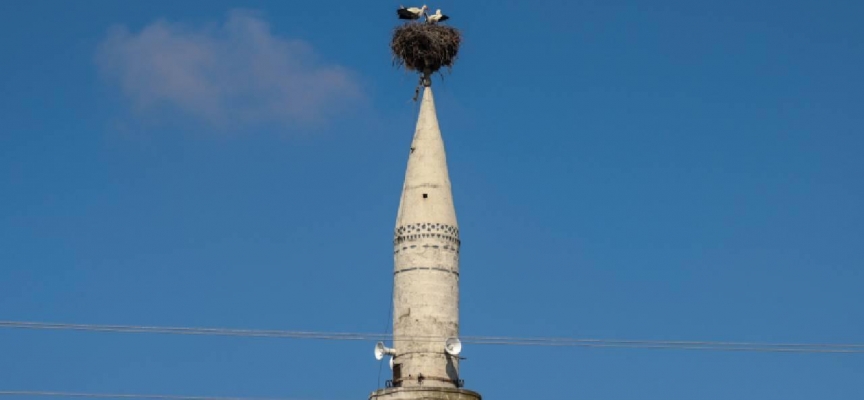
[(405, 14)]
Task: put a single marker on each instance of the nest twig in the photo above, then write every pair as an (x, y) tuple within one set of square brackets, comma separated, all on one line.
[(425, 48)]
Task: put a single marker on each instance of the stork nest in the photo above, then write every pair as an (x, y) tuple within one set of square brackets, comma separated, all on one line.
[(423, 47)]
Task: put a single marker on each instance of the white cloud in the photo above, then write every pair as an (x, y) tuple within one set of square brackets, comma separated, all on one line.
[(235, 73)]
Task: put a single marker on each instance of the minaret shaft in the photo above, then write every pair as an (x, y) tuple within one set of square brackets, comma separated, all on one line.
[(426, 255), (426, 274)]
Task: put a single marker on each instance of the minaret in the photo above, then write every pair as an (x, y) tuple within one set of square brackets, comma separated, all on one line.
[(426, 274)]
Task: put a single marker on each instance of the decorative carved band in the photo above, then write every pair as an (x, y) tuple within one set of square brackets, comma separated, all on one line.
[(406, 238), (427, 227)]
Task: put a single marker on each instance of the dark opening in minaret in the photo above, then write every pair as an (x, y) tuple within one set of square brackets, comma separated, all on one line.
[(397, 373), (425, 196)]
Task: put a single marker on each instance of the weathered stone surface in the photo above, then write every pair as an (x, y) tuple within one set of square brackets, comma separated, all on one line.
[(426, 258), (426, 249)]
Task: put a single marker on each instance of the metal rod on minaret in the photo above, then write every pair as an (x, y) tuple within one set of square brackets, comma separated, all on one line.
[(426, 78)]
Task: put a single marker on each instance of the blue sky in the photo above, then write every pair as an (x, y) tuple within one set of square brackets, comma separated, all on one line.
[(675, 171)]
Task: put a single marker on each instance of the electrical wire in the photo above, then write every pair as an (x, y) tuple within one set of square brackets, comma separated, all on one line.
[(125, 396), (481, 340)]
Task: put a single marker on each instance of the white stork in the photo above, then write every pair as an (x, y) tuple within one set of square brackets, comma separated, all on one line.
[(437, 17), (411, 12)]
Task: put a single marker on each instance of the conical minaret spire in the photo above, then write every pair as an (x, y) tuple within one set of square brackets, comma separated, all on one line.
[(426, 274), (426, 194)]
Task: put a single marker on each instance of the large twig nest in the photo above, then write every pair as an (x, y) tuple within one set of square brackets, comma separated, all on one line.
[(423, 47)]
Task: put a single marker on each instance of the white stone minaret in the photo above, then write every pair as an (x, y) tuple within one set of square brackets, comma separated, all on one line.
[(426, 274)]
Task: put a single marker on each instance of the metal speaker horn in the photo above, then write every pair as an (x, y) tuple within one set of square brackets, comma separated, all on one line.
[(453, 346), (391, 362), (381, 350)]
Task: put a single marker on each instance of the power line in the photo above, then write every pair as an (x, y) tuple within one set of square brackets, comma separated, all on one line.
[(482, 340), (125, 396)]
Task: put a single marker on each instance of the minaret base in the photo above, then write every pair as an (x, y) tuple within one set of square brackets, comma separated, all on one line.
[(421, 393)]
